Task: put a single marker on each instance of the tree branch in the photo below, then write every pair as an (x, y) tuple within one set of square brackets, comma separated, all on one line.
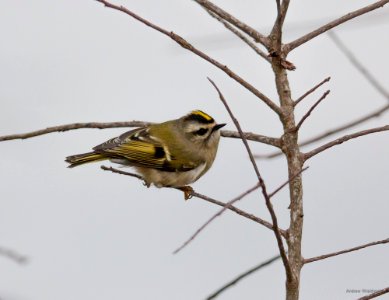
[(227, 206), (358, 65), (210, 200), (343, 139), (288, 270), (325, 256), (113, 170), (253, 137), (258, 37), (328, 133), (311, 110), (97, 125), (73, 126), (369, 77), (302, 97), (240, 35), (286, 182), (375, 294), (13, 255), (276, 31), (298, 42), (242, 276), (183, 43)]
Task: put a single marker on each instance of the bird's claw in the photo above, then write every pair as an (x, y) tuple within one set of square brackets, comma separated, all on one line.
[(188, 191)]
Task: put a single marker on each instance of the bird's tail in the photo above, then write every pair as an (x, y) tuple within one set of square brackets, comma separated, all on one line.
[(80, 159)]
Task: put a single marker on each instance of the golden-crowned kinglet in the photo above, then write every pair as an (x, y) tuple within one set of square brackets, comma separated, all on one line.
[(171, 154)]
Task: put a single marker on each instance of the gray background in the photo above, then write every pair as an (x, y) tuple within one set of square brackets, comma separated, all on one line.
[(91, 234)]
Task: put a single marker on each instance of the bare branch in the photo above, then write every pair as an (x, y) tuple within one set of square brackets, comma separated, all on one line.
[(358, 65), (286, 182), (242, 276), (328, 133), (343, 139), (354, 123), (113, 170), (321, 257), (210, 200), (276, 31), (96, 125), (258, 37), (369, 77), (13, 255), (72, 126), (240, 35), (298, 42), (302, 97), (269, 205), (253, 137), (311, 109), (241, 213), (375, 294), (183, 43), (227, 206)]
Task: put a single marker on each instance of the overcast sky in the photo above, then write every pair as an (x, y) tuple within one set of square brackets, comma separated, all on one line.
[(91, 234)]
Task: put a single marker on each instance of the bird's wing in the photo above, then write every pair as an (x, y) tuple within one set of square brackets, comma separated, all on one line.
[(143, 150)]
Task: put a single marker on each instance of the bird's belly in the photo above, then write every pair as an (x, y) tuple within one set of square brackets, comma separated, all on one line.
[(171, 179)]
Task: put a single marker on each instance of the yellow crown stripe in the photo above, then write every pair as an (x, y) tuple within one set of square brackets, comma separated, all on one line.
[(202, 114)]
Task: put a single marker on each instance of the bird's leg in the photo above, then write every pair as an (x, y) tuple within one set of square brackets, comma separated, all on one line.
[(188, 190)]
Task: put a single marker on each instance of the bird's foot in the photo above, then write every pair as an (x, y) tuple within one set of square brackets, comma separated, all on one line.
[(188, 191)]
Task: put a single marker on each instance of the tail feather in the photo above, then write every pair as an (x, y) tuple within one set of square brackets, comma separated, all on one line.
[(80, 159)]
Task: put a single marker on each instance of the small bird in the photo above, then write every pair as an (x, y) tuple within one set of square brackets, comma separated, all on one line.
[(170, 154)]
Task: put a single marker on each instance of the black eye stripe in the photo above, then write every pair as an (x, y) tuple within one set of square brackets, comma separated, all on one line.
[(201, 131), (159, 152)]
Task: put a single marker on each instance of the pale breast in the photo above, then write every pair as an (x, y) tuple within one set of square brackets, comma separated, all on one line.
[(171, 179)]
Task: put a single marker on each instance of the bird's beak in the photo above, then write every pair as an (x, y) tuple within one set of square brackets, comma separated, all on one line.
[(218, 126)]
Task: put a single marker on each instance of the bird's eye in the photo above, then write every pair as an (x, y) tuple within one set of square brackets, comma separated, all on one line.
[(201, 131)]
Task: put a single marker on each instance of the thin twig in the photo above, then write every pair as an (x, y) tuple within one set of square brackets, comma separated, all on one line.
[(311, 110), (185, 44), (257, 36), (325, 256), (302, 97), (113, 170), (73, 126), (242, 276), (210, 200), (269, 205), (354, 123), (286, 182), (373, 114), (298, 42), (13, 255), (375, 294), (61, 128), (241, 213), (253, 137), (369, 77), (240, 35), (358, 65), (343, 139), (227, 206)]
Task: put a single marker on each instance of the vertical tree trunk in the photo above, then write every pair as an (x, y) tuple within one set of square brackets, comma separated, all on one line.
[(291, 150)]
